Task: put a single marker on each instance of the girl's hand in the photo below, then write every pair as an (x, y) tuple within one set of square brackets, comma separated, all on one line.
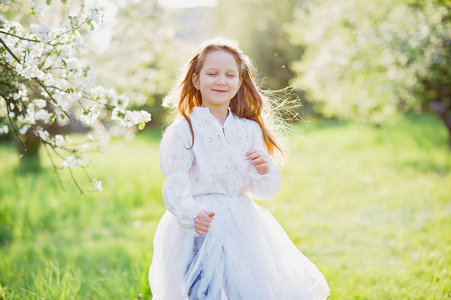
[(259, 160), (202, 221)]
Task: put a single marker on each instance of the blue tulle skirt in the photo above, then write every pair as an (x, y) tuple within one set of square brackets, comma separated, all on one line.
[(245, 255)]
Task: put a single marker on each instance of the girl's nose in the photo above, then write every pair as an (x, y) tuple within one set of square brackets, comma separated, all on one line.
[(220, 81)]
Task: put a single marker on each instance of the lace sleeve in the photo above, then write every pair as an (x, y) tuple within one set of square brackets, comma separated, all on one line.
[(175, 161), (267, 185)]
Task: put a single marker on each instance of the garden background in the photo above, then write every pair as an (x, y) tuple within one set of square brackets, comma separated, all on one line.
[(366, 188)]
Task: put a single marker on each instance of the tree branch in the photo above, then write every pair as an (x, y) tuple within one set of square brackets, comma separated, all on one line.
[(11, 122), (75, 181), (19, 37), (50, 95), (55, 168), (9, 50)]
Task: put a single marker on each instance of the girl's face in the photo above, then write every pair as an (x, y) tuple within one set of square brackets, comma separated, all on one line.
[(218, 80)]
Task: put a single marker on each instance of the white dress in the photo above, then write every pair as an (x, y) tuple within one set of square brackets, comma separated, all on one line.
[(246, 254)]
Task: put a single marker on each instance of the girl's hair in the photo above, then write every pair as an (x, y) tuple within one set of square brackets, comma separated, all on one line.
[(248, 103)]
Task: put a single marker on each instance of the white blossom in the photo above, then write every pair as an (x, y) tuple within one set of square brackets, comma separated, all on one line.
[(78, 39), (59, 140), (82, 148), (41, 103), (130, 117), (9, 58), (24, 129), (90, 114), (38, 9), (121, 101), (42, 115), (67, 51), (51, 68), (98, 91), (43, 134), (42, 32), (75, 96), (97, 185), (3, 22), (57, 63), (72, 161), (80, 159), (63, 38), (59, 95), (4, 129), (18, 28), (35, 50), (96, 15), (73, 64), (29, 71), (32, 62), (69, 162), (49, 80)]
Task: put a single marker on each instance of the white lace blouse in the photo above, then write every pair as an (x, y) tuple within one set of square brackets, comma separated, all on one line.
[(215, 165)]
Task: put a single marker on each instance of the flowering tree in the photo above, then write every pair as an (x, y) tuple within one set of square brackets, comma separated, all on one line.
[(370, 60), (146, 71), (43, 82)]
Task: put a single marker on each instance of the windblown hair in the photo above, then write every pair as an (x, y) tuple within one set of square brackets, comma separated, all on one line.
[(248, 103)]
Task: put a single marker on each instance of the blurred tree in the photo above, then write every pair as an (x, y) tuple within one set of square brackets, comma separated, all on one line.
[(141, 59), (43, 81), (258, 25), (370, 60)]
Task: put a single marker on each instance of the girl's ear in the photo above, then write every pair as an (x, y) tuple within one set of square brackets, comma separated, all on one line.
[(195, 80)]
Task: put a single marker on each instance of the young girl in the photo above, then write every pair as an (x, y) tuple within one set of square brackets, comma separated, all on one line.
[(214, 242)]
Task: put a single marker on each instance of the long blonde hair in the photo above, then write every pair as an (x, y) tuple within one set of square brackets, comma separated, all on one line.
[(248, 103)]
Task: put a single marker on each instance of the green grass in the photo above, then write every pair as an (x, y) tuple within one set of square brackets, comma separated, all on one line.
[(371, 207)]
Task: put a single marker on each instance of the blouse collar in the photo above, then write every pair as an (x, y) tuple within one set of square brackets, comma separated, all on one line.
[(205, 112)]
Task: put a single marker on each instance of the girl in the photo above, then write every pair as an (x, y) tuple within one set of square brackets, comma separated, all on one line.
[(214, 242)]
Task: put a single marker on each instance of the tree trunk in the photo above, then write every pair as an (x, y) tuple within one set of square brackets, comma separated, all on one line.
[(444, 113), (29, 156)]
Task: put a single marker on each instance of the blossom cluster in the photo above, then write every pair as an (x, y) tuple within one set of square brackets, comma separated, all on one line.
[(45, 82)]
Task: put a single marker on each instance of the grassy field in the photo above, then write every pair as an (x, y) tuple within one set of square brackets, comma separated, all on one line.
[(371, 207)]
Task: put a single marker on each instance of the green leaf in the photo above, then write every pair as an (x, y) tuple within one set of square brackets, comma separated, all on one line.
[(48, 2), (74, 32), (92, 26), (141, 125), (63, 116)]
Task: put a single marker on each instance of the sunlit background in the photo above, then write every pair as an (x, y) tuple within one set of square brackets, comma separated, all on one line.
[(366, 186)]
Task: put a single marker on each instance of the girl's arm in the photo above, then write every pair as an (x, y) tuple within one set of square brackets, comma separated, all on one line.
[(175, 161), (267, 185)]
